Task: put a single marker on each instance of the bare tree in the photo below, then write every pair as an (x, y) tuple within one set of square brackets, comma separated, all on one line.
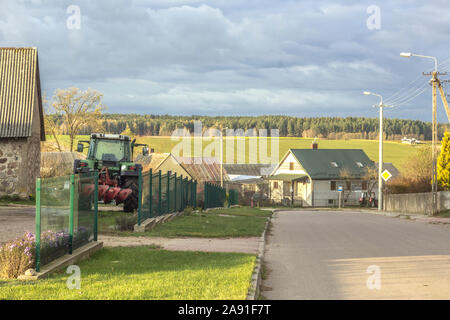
[(371, 176), (78, 109), (50, 126)]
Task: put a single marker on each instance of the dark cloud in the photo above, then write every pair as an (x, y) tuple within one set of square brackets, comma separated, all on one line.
[(305, 58)]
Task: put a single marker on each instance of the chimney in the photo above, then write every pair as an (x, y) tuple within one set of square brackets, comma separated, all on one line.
[(314, 144)]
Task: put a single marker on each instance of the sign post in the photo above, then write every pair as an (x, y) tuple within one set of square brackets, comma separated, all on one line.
[(340, 189)]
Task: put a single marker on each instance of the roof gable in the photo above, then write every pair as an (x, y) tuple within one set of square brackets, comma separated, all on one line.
[(19, 85), (331, 163), (207, 169)]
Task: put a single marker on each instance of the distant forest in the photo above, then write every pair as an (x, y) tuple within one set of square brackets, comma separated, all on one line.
[(324, 127)]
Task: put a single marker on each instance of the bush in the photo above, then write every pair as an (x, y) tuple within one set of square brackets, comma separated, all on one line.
[(125, 223), (188, 211), (17, 256)]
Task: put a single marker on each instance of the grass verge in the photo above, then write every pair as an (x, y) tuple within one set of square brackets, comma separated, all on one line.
[(444, 214), (8, 200), (235, 222), (145, 273)]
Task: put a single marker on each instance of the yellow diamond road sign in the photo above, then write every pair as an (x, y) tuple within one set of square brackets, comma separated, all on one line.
[(386, 175)]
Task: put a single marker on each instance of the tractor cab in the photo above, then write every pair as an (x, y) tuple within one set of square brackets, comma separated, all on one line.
[(112, 156)]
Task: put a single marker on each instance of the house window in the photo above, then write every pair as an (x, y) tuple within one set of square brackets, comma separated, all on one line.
[(364, 185), (275, 185), (333, 185), (291, 166)]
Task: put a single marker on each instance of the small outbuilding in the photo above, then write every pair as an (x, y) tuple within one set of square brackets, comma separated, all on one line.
[(21, 121)]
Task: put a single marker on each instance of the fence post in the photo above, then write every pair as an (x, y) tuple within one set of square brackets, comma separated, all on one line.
[(159, 193), (150, 194), (195, 193), (95, 205), (72, 201), (139, 196), (175, 192), (206, 195), (38, 225), (168, 192)]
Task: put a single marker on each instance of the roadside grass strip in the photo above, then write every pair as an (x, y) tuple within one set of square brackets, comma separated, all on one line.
[(234, 222), (145, 273)]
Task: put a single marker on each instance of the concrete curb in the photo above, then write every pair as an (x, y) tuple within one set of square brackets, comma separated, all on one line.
[(150, 223), (255, 285), (78, 255)]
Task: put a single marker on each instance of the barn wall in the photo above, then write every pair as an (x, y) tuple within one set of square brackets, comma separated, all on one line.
[(13, 158)]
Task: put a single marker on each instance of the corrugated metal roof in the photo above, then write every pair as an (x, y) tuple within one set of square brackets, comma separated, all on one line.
[(207, 170), (287, 177), (19, 83), (152, 161), (249, 169)]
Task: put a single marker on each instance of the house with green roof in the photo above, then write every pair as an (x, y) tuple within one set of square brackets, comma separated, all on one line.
[(312, 177)]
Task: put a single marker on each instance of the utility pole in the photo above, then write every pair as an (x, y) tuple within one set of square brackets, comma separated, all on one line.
[(380, 151), (221, 156), (435, 83)]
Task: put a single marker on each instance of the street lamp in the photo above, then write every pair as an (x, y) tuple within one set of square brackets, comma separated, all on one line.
[(380, 154), (434, 83), (409, 55)]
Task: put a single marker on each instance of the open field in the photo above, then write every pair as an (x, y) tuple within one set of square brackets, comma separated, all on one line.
[(394, 152), (236, 222), (116, 273)]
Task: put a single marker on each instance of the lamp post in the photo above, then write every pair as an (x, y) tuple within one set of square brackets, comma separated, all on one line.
[(380, 153), (434, 83)]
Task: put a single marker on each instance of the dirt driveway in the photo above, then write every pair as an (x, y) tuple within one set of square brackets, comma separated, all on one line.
[(15, 221)]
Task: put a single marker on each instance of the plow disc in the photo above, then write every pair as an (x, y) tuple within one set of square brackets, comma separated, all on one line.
[(107, 193)]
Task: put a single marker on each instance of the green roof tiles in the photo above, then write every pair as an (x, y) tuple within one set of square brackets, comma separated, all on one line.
[(324, 164)]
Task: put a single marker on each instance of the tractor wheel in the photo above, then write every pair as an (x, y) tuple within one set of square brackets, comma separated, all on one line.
[(131, 203)]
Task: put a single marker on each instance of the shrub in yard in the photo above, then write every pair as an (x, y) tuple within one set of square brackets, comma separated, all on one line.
[(17, 256), (125, 223), (188, 211)]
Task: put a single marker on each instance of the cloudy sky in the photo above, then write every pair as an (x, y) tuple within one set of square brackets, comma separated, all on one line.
[(230, 57)]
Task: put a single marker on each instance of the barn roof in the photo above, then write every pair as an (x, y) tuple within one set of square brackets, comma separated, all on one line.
[(152, 161), (249, 169), (203, 169), (19, 83)]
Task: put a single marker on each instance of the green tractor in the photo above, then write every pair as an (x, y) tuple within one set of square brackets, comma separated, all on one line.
[(112, 156)]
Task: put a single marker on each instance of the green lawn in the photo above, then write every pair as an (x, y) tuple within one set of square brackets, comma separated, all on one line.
[(146, 273), (394, 151), (235, 222), (6, 200)]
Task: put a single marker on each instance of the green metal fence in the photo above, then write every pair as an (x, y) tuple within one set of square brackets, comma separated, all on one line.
[(164, 193), (66, 215), (215, 196), (233, 197)]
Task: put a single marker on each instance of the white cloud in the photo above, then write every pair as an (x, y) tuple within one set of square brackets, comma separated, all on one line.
[(228, 56)]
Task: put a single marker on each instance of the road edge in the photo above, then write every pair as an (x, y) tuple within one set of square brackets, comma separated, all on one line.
[(255, 285)]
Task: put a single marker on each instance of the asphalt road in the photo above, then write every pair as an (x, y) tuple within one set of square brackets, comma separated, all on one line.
[(15, 221), (353, 255)]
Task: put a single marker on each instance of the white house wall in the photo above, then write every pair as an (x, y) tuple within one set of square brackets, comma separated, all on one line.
[(284, 166)]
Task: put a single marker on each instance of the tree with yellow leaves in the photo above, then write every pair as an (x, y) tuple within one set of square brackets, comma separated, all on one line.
[(443, 162), (78, 109)]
